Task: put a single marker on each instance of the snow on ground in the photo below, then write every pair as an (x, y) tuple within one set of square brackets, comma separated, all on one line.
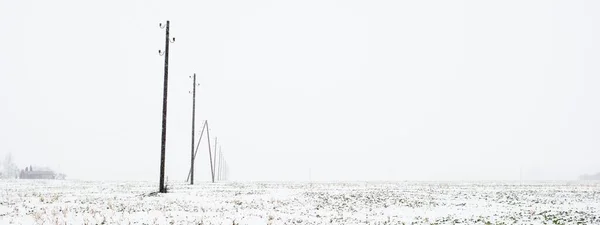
[(82, 202)]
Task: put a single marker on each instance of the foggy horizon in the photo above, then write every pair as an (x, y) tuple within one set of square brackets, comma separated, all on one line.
[(296, 91)]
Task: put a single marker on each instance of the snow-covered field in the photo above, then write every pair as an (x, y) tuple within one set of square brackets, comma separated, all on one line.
[(81, 202)]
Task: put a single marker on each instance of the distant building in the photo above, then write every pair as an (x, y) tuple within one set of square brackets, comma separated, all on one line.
[(36, 173)]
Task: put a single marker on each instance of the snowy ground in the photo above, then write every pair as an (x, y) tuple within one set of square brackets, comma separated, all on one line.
[(80, 202)]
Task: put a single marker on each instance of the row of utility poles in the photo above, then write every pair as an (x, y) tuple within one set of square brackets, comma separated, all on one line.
[(218, 167)]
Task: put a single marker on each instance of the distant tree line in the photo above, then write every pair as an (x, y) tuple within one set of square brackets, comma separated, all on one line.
[(8, 169), (590, 177)]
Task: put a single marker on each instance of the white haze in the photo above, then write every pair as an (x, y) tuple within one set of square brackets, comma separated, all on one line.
[(348, 90)]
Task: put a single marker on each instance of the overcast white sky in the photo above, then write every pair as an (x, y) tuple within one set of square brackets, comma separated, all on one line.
[(352, 90)]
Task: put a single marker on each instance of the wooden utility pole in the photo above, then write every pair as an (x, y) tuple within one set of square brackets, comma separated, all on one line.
[(163, 139), (220, 168), (212, 169), (204, 127), (215, 160), (226, 171), (193, 131)]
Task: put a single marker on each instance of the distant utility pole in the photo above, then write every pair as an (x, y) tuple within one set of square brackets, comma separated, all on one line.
[(226, 170), (223, 174), (215, 160), (193, 131), (212, 168), (204, 127), (220, 171), (162, 188), (521, 174), (220, 164)]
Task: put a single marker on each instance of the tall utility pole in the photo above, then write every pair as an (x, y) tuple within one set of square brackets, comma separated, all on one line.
[(163, 139), (193, 131)]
